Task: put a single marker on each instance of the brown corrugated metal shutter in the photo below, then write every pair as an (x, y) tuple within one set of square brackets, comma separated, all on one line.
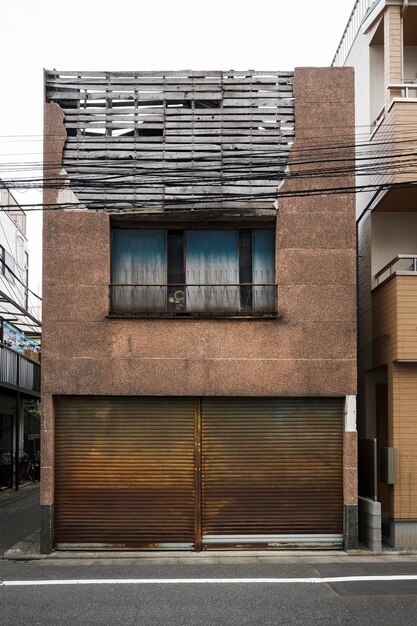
[(125, 473), (271, 469)]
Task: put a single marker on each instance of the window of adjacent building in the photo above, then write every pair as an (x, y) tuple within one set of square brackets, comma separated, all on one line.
[(10, 267), (193, 271), (2, 261), (7, 265)]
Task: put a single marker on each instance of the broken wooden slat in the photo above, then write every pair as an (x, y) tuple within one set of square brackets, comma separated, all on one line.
[(153, 141)]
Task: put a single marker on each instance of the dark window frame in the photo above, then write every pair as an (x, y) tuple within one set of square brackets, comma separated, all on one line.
[(176, 280)]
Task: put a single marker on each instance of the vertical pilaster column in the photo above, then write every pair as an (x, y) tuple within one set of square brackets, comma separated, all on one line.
[(350, 475), (393, 51), (47, 474)]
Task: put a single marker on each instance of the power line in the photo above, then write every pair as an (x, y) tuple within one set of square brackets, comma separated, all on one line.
[(98, 206)]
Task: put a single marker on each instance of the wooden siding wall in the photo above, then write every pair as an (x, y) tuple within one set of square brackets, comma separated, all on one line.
[(394, 144), (403, 116), (395, 320), (393, 48), (402, 433), (175, 140), (407, 316), (384, 322)]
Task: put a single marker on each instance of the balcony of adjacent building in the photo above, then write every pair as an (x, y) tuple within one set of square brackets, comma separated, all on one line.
[(394, 306), (393, 103), (394, 293), (19, 373)]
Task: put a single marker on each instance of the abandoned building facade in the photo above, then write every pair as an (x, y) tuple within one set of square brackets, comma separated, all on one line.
[(199, 312)]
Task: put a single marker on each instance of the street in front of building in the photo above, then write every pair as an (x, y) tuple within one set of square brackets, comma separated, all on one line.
[(210, 590), (19, 514), (182, 588)]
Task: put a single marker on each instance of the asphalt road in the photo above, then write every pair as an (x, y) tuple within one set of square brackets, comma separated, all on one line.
[(19, 518), (200, 590), (180, 591)]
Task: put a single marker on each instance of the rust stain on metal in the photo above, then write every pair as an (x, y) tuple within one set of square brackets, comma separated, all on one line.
[(154, 472)]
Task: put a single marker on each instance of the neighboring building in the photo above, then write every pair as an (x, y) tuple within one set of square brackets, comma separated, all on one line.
[(199, 345), (19, 341), (380, 42)]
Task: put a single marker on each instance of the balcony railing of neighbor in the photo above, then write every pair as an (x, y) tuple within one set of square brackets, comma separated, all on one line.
[(407, 90), (402, 263), (226, 300), (18, 371), (399, 91), (351, 30)]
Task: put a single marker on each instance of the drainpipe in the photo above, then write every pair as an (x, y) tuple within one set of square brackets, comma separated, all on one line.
[(403, 12), (17, 430)]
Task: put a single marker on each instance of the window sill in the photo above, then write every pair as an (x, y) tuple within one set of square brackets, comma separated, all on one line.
[(193, 316)]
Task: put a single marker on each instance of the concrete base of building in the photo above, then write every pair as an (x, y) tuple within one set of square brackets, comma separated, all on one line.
[(370, 522), (351, 526), (47, 530), (401, 534)]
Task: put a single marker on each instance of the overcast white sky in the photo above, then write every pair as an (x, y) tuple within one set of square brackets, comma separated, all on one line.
[(138, 35)]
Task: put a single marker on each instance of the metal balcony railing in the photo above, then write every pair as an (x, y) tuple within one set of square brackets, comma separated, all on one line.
[(202, 300), (18, 371), (406, 90), (404, 263)]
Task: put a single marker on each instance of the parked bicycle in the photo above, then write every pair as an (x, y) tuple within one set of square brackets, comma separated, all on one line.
[(27, 469)]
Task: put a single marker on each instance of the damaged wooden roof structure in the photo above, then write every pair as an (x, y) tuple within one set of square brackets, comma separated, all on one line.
[(175, 141)]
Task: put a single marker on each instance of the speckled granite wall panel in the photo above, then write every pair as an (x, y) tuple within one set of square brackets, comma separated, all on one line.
[(322, 231), (316, 267), (292, 340), (308, 350), (201, 377), (326, 303)]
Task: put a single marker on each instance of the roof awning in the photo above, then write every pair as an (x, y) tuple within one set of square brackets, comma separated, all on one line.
[(13, 313)]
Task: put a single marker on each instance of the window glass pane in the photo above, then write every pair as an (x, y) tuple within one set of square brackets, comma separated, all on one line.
[(139, 270), (176, 277), (245, 269), (212, 270), (263, 269)]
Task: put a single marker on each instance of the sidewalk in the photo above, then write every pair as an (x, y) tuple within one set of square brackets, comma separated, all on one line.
[(29, 548), (7, 495)]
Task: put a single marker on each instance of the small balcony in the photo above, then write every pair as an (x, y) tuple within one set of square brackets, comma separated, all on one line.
[(193, 300), (403, 264), (406, 90), (18, 372), (394, 311)]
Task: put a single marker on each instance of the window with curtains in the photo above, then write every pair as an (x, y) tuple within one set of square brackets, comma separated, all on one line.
[(222, 271)]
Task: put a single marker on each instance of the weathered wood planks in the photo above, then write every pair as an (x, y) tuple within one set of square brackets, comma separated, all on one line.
[(176, 141)]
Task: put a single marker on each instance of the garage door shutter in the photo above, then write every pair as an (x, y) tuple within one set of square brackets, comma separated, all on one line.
[(271, 467), (184, 473), (125, 472)]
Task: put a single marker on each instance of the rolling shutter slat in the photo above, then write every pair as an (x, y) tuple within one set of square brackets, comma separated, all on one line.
[(124, 471), (271, 467)]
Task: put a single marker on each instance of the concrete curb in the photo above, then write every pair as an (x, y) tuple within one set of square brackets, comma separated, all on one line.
[(10, 495), (28, 550)]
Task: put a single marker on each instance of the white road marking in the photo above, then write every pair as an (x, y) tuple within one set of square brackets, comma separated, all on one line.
[(206, 581)]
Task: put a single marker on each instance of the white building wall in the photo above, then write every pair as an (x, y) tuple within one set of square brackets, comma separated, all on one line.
[(358, 58), (376, 60), (410, 63), (14, 243), (392, 234)]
